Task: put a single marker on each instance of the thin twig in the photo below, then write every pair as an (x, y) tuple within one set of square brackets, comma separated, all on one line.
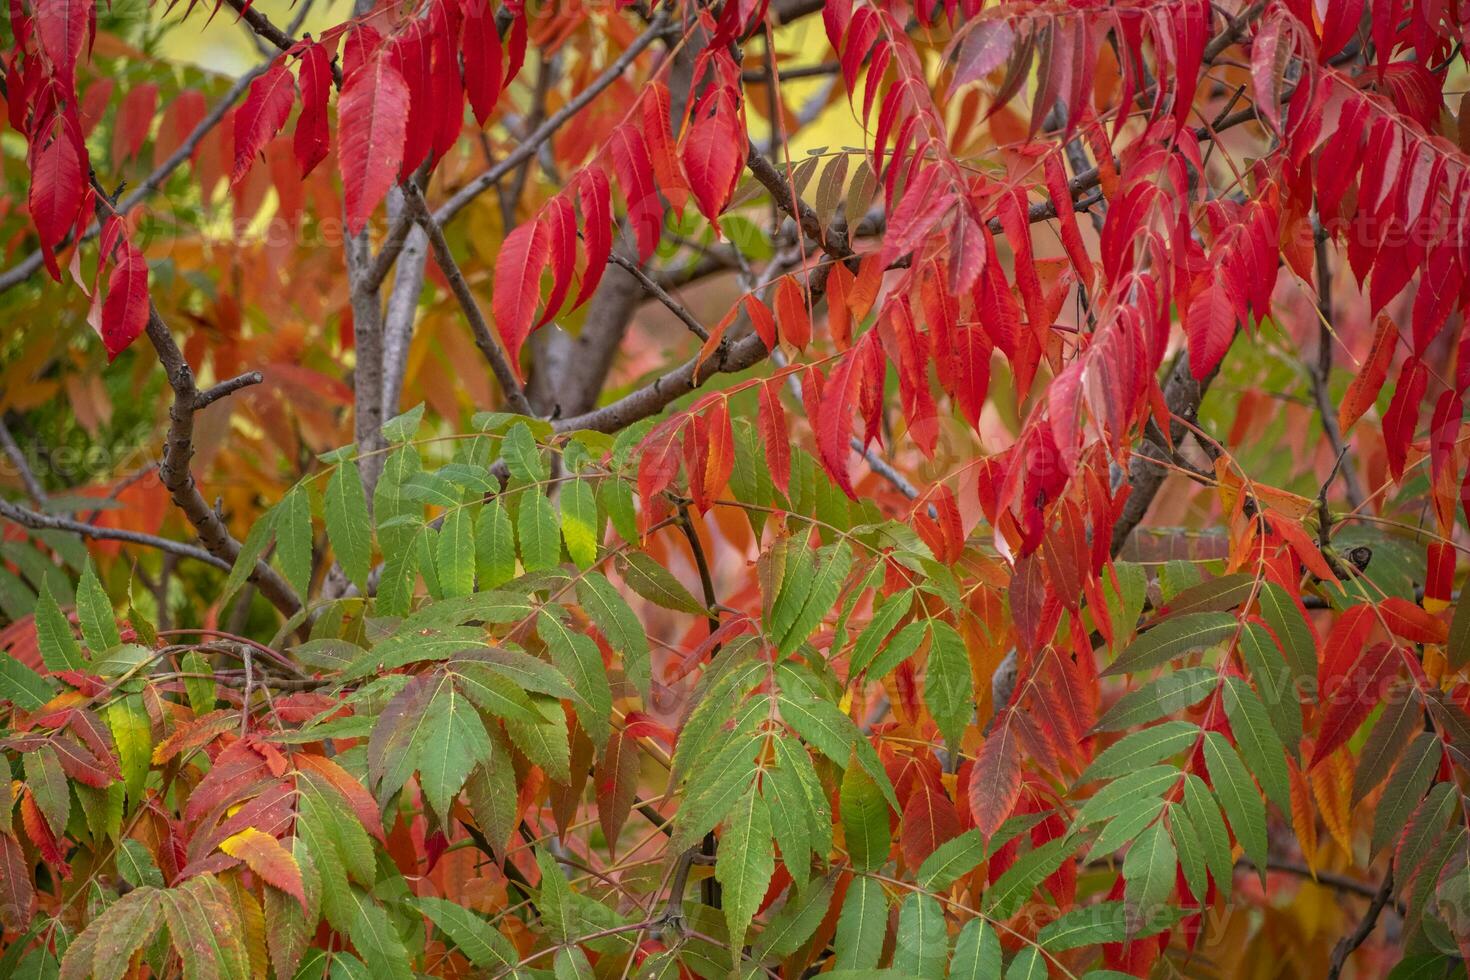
[(1321, 374), (1347, 944), (28, 478), (659, 293), (25, 517)]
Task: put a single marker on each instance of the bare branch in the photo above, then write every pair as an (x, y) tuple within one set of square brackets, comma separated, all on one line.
[(484, 339), (659, 293), (1347, 944), (51, 522), (28, 479), (213, 394)]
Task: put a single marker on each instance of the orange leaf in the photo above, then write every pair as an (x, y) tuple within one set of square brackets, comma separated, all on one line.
[(264, 855)]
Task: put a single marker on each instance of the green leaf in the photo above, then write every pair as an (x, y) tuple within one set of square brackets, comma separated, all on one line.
[(136, 866), (1400, 719), (656, 584), (403, 427), (495, 546), (903, 646), (449, 741), (480, 942), (1088, 925), (613, 617), (1125, 599), (1171, 638), (454, 553), (47, 783), (1191, 850), (1140, 749), (1219, 594), (293, 538), (374, 937), (1029, 964), (1238, 797), (794, 809), (1457, 649), (922, 942), (820, 599), (348, 527), (745, 864), (1257, 740), (616, 498), (797, 920), (1272, 677), (864, 820), (949, 691), (580, 527), (1010, 891), (95, 613), (570, 963), (1204, 817), (576, 656), (1406, 788), (546, 743), (977, 953), (1291, 630), (59, 648), (132, 733), (1128, 790), (522, 455), (22, 686), (1148, 869), (884, 620), (540, 538), (1172, 692), (861, 925)]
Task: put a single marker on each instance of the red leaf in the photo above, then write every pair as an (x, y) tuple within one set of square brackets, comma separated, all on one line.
[(667, 169), (713, 153), (483, 59), (995, 781), (518, 285), (134, 119), (561, 227), (1411, 622), (125, 310), (775, 440), (762, 321), (635, 177), (616, 782), (57, 180), (1210, 327), (720, 461), (262, 116), (372, 121), (1366, 384), (312, 138), (596, 200), (1402, 417), (265, 856), (1352, 696), (929, 819), (17, 892), (62, 26), (834, 423), (791, 313)]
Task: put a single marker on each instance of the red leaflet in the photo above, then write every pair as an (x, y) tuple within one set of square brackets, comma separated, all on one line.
[(62, 27), (483, 59), (713, 153), (17, 893), (1352, 696), (312, 138), (1270, 52), (265, 856), (262, 115), (446, 90), (518, 269), (929, 819), (1402, 418), (1411, 622), (995, 780), (134, 119), (616, 782), (834, 423), (561, 227), (347, 785), (791, 313), (125, 310), (57, 182), (596, 201), (719, 463), (1061, 198), (1364, 388), (983, 47), (774, 438), (762, 321), (1210, 326), (372, 121), (635, 178), (667, 169)]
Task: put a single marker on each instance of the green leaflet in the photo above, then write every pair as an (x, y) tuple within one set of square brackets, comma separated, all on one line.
[(949, 691), (1219, 594), (793, 925), (1273, 678), (1191, 850), (48, 787), (861, 925), (903, 646), (347, 523), (922, 943), (714, 787), (1161, 697), (373, 935), (1141, 749), (403, 426), (884, 620), (977, 953), (59, 648), (800, 815), (1238, 797), (293, 538), (22, 686), (547, 742), (538, 533), (1285, 620), (1148, 869), (480, 942), (1029, 964), (864, 820), (745, 863), (576, 656), (1171, 638), (448, 743), (1257, 740), (1105, 922), (1400, 719), (132, 733), (613, 617), (454, 553), (1205, 819), (1010, 891), (657, 584), (1148, 783), (819, 599), (1125, 598), (1406, 788), (580, 526), (94, 612), (522, 455), (495, 546)]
